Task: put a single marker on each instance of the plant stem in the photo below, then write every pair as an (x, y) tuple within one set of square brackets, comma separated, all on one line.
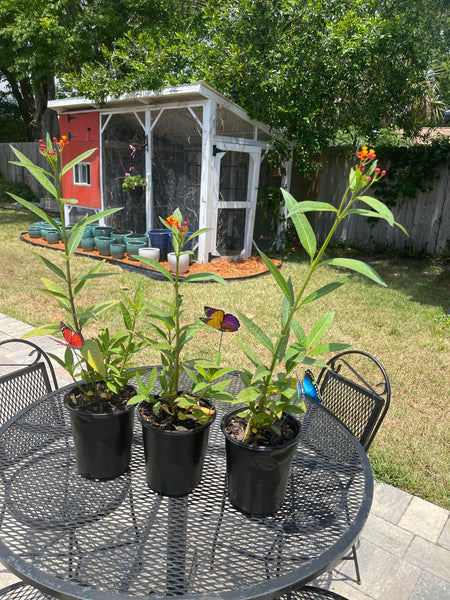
[(176, 366), (315, 263)]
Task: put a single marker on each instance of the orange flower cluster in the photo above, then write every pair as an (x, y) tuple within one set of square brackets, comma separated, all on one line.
[(62, 142), (366, 154), (44, 149), (174, 222)]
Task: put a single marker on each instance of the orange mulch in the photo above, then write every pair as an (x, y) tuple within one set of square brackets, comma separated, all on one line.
[(226, 268)]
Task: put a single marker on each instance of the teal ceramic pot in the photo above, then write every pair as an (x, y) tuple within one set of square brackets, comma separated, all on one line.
[(45, 228), (34, 231), (133, 248), (103, 231), (103, 244), (137, 237), (117, 250), (118, 235), (52, 236), (87, 234), (89, 231), (41, 224), (87, 244)]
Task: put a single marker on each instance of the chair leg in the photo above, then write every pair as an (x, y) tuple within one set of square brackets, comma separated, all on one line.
[(355, 560)]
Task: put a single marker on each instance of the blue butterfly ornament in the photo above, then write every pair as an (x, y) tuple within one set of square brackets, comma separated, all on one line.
[(308, 387)]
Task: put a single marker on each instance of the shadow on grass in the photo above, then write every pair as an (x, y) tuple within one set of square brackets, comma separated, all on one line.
[(423, 280)]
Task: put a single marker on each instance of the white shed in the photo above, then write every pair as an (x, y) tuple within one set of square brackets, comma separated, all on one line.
[(197, 151)]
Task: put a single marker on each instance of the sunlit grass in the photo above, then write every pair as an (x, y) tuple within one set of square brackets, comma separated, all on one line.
[(404, 325)]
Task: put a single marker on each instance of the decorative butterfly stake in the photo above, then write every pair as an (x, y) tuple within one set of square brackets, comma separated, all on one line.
[(308, 387), (220, 320), (74, 339)]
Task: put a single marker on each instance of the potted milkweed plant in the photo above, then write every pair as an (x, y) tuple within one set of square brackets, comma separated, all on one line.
[(262, 434), (176, 401), (102, 420)]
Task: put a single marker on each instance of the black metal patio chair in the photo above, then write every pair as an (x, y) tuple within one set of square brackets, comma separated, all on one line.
[(25, 381), (311, 593), (21, 385), (355, 388), (22, 591)]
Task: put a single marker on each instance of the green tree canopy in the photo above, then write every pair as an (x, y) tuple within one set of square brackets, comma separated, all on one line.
[(305, 67), (43, 39)]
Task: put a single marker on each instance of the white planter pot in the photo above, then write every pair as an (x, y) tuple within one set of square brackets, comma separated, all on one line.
[(152, 253), (183, 263)]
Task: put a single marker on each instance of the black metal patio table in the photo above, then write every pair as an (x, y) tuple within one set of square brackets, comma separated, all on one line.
[(92, 540)]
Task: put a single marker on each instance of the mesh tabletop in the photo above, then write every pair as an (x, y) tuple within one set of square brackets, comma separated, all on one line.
[(77, 538)]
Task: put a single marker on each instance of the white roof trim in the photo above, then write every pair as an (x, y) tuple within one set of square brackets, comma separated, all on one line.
[(148, 97)]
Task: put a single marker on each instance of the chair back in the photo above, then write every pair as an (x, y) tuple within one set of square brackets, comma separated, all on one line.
[(355, 388), (23, 383)]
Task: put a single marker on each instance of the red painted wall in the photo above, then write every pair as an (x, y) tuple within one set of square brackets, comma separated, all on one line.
[(83, 132)]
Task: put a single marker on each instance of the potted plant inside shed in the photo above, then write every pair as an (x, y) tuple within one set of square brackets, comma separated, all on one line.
[(99, 366), (261, 435), (175, 420)]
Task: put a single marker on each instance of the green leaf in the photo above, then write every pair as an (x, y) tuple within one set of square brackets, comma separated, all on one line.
[(74, 240), (35, 209), (203, 277), (325, 348), (77, 160), (355, 265), (249, 353), (38, 173), (379, 207), (319, 329), (50, 265), (326, 289), (281, 281), (256, 331), (47, 329), (248, 395), (94, 357), (157, 266), (54, 288), (309, 206), (304, 230), (299, 332)]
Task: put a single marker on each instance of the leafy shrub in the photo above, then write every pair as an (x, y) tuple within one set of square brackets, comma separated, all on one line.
[(18, 188)]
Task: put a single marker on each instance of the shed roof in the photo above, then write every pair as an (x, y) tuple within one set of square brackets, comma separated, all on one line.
[(187, 94)]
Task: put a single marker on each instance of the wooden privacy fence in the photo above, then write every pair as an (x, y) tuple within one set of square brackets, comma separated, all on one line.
[(16, 173), (426, 217)]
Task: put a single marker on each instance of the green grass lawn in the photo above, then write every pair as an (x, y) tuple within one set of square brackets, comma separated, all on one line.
[(404, 325)]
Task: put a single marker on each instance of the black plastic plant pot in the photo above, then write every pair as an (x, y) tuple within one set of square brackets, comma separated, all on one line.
[(257, 476), (174, 459), (102, 441)]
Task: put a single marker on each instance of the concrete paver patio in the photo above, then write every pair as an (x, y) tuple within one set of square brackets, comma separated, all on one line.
[(404, 548)]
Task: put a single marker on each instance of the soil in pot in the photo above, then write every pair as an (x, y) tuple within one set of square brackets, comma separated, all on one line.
[(173, 459), (102, 428), (258, 473)]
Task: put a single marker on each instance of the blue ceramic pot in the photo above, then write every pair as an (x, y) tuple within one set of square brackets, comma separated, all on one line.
[(159, 238)]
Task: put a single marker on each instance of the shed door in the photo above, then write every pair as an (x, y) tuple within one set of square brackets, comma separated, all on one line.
[(236, 179)]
